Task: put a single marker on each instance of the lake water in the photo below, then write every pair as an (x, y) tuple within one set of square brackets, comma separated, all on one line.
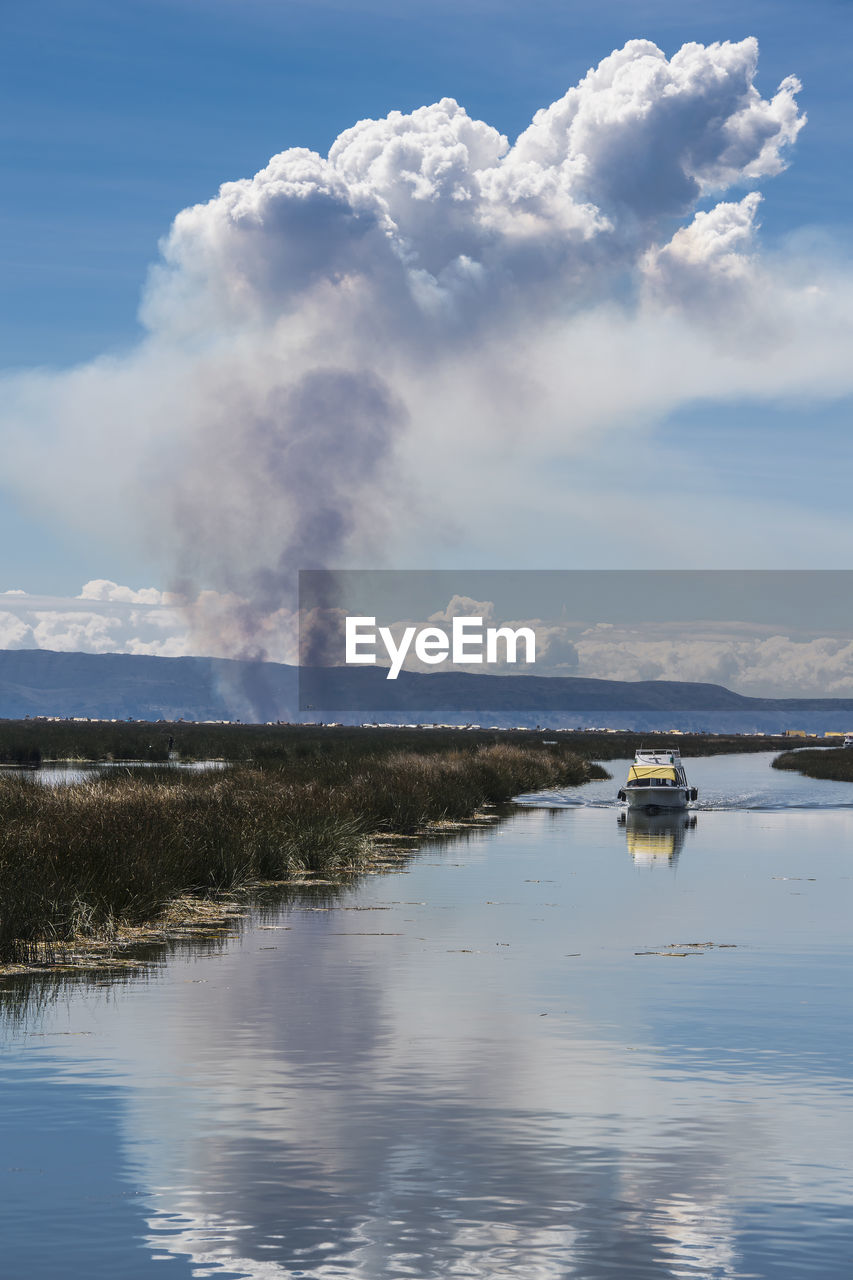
[(508, 1059), (58, 773)]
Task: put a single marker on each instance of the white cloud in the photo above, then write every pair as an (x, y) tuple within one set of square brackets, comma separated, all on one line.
[(437, 204), (104, 589), (96, 624), (109, 618), (15, 633), (465, 607), (706, 266), (368, 355), (759, 665)]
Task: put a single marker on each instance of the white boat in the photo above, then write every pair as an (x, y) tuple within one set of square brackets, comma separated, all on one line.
[(657, 781)]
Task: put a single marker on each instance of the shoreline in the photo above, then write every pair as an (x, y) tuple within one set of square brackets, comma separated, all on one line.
[(192, 919), (90, 867), (832, 764)]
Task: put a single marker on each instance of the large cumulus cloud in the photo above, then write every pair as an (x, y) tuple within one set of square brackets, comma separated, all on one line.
[(357, 358), (434, 212)]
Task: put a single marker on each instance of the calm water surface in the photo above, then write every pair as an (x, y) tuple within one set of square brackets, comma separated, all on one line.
[(58, 773), (507, 1060)]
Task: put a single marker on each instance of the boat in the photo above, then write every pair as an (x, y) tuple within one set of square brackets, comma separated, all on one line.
[(657, 782)]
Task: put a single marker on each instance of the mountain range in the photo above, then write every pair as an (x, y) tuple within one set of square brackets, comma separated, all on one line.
[(39, 682)]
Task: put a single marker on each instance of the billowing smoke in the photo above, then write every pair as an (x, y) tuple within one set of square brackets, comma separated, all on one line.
[(350, 359), (297, 467)]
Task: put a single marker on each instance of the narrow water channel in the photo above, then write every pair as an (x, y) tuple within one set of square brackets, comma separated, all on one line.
[(563, 1046)]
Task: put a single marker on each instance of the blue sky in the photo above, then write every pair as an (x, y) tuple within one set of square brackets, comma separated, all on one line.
[(118, 116)]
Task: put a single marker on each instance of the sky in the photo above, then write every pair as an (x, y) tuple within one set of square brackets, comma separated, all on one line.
[(620, 342)]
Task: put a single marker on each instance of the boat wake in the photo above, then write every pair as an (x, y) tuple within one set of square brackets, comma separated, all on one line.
[(709, 804)]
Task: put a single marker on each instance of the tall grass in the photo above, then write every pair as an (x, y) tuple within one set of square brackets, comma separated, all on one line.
[(87, 859), (833, 763)]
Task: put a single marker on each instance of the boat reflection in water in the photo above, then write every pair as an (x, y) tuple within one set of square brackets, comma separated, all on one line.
[(655, 838)]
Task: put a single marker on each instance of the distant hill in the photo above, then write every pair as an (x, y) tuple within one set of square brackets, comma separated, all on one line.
[(120, 686)]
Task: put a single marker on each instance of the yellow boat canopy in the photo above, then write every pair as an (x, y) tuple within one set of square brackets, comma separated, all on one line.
[(638, 771)]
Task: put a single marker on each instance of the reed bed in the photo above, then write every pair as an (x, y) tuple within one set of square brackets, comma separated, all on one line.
[(92, 858), (833, 763), (27, 742)]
